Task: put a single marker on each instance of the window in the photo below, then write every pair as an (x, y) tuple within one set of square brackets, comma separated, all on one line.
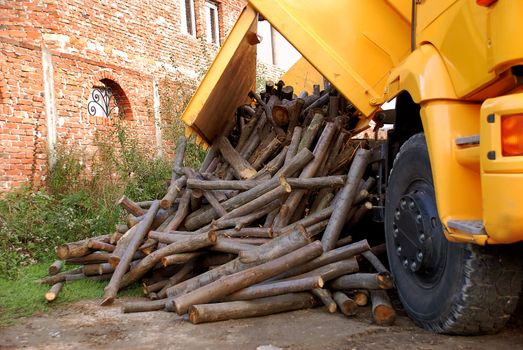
[(212, 27), (187, 16), (102, 102)]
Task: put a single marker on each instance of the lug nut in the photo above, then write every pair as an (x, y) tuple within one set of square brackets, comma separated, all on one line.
[(422, 238), (420, 256), (412, 205), (413, 266), (419, 219), (403, 204)]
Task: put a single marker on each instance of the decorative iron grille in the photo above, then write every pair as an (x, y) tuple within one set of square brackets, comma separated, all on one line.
[(102, 102)]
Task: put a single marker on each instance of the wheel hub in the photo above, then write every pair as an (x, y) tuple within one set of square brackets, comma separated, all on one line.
[(415, 221)]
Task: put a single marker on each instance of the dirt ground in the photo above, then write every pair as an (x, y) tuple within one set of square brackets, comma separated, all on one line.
[(87, 325)]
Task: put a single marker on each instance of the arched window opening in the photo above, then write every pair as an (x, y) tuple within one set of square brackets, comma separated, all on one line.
[(107, 99)]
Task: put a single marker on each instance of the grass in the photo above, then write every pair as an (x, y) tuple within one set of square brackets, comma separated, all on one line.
[(24, 296)]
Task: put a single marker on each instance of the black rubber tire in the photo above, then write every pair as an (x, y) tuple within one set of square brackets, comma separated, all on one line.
[(473, 290)]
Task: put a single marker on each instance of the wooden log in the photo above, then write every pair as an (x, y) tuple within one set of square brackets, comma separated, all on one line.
[(203, 217), (347, 306), (374, 261), (251, 308), (241, 221), (381, 280), (181, 213), (274, 248), (294, 144), (322, 201), (248, 240), (322, 100), (77, 249), (382, 311), (243, 185), (264, 155), (310, 133), (267, 108), (179, 258), (181, 275), (334, 102), (214, 259), (141, 230), (357, 214), (231, 283), (120, 228), (320, 152), (190, 244), (97, 245), (55, 267), (277, 247), (60, 277), (335, 150), (329, 257), (105, 268), (379, 249), (361, 297), (326, 298), (308, 220), (81, 276), (143, 306), (242, 168), (225, 245), (276, 288), (209, 157), (130, 206), (294, 110), (344, 241), (331, 271), (172, 192), (345, 200), (144, 205), (93, 258), (115, 260), (272, 166), (251, 232), (52, 293), (287, 92), (91, 270)]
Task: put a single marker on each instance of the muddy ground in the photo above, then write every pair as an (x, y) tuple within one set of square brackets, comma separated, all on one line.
[(86, 325)]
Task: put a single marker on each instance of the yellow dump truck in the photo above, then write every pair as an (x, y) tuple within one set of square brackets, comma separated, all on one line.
[(453, 213)]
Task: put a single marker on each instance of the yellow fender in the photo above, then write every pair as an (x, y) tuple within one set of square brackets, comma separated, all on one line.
[(455, 171)]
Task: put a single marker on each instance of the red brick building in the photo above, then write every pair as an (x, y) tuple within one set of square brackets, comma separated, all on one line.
[(59, 60)]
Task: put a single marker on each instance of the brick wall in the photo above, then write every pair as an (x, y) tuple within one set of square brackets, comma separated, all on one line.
[(127, 44)]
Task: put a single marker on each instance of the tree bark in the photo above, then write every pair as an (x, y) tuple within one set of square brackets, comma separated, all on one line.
[(310, 133), (242, 168), (97, 245), (142, 228), (269, 150), (93, 258), (229, 284), (60, 277), (172, 192), (252, 308), (374, 261), (331, 271), (179, 258)]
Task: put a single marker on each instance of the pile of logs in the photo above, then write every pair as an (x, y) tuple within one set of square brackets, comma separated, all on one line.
[(261, 227)]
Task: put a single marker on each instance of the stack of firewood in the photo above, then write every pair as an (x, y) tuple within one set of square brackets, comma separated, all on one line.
[(262, 227)]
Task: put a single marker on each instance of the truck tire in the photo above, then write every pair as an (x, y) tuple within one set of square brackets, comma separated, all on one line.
[(444, 287)]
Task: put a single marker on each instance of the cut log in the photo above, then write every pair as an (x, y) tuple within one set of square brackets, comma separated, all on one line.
[(229, 284), (93, 258), (326, 298), (61, 277), (181, 275), (143, 306), (225, 245), (293, 146), (180, 258), (278, 246), (251, 308), (130, 206), (374, 261), (241, 167), (331, 271), (253, 232), (347, 306), (381, 280), (310, 133), (361, 297), (78, 249), (97, 245), (269, 150), (382, 311), (54, 291), (190, 244), (329, 257), (181, 213), (141, 230), (55, 267), (345, 200), (172, 192), (276, 288)]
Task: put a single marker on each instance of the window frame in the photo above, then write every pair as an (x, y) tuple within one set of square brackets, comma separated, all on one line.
[(210, 8), (183, 18)]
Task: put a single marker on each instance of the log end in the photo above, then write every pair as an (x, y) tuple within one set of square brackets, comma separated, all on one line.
[(361, 298), (384, 315), (212, 236), (107, 301), (332, 307), (320, 283), (62, 252), (385, 280), (194, 315), (50, 296), (165, 203), (349, 307), (114, 260)]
